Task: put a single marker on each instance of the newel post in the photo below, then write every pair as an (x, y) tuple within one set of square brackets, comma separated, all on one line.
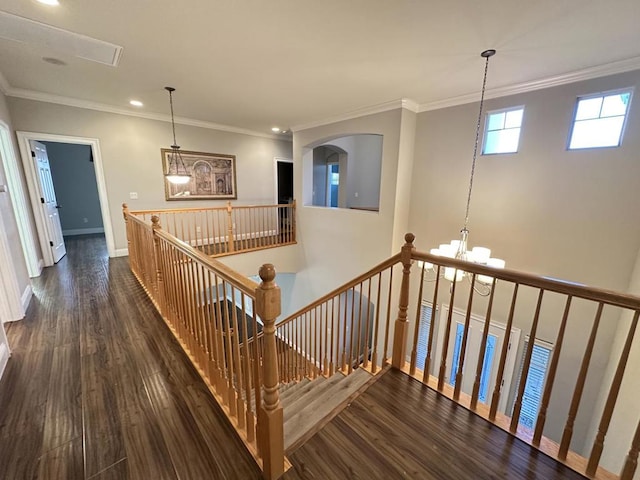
[(157, 257), (270, 419), (401, 326), (230, 242), (125, 214)]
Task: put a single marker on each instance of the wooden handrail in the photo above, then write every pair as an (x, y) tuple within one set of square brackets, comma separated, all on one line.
[(200, 209), (608, 297), (343, 288)]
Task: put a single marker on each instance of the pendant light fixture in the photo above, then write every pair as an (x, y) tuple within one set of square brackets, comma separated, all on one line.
[(176, 172), (458, 248)]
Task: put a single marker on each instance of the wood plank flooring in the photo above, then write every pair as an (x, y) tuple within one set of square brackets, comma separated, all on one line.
[(97, 388), (399, 428)]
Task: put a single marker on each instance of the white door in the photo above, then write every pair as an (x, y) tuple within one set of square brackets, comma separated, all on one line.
[(48, 200), (493, 350)]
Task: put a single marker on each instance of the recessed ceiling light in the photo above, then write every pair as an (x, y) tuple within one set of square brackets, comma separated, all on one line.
[(52, 3), (136, 103), (275, 129), (54, 61)]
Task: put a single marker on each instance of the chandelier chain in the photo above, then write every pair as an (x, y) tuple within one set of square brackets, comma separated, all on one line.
[(173, 125), (475, 147)]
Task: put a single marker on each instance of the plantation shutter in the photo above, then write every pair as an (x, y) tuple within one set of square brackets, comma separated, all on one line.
[(426, 312), (535, 381)]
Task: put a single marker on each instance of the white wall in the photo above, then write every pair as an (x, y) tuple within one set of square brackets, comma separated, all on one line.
[(8, 221), (130, 148), (546, 210)]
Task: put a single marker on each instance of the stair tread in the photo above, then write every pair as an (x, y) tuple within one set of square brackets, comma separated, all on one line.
[(293, 397), (290, 390), (309, 412)]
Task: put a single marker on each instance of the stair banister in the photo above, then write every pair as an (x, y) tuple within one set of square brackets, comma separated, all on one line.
[(400, 331), (270, 417)]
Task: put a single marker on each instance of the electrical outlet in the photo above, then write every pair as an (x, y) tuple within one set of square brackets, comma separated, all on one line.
[(356, 194), (133, 195)]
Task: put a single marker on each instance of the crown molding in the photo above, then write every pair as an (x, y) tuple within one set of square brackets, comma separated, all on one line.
[(604, 70), (361, 112), (102, 107)]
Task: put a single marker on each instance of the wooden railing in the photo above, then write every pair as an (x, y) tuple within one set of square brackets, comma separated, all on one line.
[(231, 229), (216, 315), (369, 322), (349, 327)]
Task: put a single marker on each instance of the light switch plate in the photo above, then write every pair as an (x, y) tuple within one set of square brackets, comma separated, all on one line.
[(133, 195)]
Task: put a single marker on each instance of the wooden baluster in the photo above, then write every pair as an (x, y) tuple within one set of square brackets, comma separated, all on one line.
[(231, 392), (631, 462), (127, 227), (293, 221), (343, 366), (495, 398), (270, 419), (401, 324), (483, 347), (324, 331), (580, 381), (598, 444), (387, 326), (463, 347), (316, 344), (250, 418), (220, 326), (551, 376), (517, 406), (332, 358), (365, 362), (257, 376), (416, 330), (213, 332), (359, 328), (434, 307), (351, 331), (374, 355), (158, 265), (236, 360), (200, 309), (230, 239), (447, 332)]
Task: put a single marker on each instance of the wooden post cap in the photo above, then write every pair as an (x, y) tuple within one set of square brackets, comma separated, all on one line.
[(409, 237), (155, 221), (267, 273), (125, 206)]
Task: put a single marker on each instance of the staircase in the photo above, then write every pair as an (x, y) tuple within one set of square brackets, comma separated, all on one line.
[(309, 404)]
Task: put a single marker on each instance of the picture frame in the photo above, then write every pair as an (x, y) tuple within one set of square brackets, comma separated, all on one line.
[(213, 176)]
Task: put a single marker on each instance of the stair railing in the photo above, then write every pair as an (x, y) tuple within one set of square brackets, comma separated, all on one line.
[(230, 229), (213, 312)]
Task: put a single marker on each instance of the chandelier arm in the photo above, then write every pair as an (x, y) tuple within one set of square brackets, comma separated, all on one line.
[(486, 54), (173, 124)]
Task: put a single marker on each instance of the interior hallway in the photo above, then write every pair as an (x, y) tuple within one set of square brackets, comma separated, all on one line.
[(98, 388)]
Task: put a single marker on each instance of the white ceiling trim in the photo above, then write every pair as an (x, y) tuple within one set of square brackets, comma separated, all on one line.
[(613, 68), (361, 112), (102, 107)]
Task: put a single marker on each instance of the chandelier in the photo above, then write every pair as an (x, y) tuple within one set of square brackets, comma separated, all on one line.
[(176, 171), (458, 249)]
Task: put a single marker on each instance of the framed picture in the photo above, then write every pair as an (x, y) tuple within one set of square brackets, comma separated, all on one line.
[(213, 176)]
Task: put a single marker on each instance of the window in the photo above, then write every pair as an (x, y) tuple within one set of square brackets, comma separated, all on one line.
[(534, 388), (486, 365), (502, 131), (599, 120), (426, 313)]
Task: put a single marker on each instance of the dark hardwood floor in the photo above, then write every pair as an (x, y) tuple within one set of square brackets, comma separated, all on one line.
[(399, 428), (98, 388)]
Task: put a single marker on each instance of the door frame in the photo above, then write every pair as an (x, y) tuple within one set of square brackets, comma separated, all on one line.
[(275, 176), (11, 307), (33, 188), (19, 203)]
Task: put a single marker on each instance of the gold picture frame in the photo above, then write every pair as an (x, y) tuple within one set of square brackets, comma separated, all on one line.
[(213, 176)]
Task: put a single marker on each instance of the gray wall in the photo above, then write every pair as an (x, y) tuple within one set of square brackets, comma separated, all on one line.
[(565, 214), (74, 179), (131, 159)]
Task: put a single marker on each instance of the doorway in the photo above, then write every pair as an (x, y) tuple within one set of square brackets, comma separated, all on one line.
[(35, 191), (284, 181)]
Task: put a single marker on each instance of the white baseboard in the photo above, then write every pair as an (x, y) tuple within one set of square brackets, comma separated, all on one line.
[(40, 266), (82, 231), (121, 252), (25, 299)]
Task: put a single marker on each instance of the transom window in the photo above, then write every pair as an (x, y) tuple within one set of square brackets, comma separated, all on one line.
[(502, 131), (599, 120)]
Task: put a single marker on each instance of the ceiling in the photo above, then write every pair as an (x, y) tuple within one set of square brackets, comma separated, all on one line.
[(252, 64)]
